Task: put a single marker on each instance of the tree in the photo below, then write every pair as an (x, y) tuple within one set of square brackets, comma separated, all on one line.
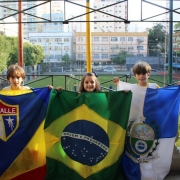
[(120, 58), (33, 54), (177, 26), (6, 47), (66, 59), (156, 39), (177, 35)]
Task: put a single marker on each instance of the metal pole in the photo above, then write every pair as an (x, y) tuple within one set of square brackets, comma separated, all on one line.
[(49, 56), (88, 40), (170, 44), (20, 36)]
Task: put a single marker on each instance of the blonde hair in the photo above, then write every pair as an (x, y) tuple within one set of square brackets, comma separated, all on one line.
[(141, 67), (81, 87), (15, 69)]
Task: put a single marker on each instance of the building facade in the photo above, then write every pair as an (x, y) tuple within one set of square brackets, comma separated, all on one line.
[(109, 13), (55, 45), (105, 45), (53, 27)]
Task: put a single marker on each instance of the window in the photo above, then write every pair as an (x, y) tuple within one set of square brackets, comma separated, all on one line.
[(58, 39), (112, 56), (122, 47), (96, 39), (66, 39), (114, 38), (104, 56), (80, 38), (96, 47), (80, 56), (33, 40), (96, 56), (104, 39), (104, 47), (130, 48), (140, 47), (130, 38), (115, 47), (122, 38), (140, 39), (66, 48)]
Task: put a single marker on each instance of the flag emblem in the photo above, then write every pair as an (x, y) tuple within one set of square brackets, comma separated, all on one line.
[(60, 145), (9, 120), (78, 144), (141, 139)]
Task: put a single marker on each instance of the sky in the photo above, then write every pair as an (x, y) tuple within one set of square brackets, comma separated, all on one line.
[(134, 10), (149, 10)]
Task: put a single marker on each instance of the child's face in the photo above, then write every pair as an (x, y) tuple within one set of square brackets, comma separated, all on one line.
[(89, 83), (142, 79), (15, 81)]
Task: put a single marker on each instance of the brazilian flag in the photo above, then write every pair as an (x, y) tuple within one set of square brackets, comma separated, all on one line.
[(85, 134)]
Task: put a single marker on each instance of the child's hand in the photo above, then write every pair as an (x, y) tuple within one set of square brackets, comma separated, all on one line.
[(50, 86), (116, 80), (126, 91), (59, 88)]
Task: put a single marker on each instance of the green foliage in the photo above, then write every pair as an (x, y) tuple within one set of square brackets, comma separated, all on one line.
[(6, 47), (33, 54), (177, 26), (177, 30), (120, 58), (66, 59), (156, 40)]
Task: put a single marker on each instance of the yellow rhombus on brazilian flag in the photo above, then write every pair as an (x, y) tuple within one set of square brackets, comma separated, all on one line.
[(85, 134)]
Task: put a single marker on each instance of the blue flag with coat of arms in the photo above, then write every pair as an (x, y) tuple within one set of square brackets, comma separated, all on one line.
[(151, 132)]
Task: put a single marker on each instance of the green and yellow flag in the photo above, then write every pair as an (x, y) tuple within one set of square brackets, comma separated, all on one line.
[(85, 134)]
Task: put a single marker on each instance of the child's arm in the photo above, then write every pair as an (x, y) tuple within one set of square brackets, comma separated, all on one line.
[(116, 80), (50, 86)]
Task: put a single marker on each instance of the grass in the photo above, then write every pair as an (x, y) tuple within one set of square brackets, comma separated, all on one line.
[(105, 80)]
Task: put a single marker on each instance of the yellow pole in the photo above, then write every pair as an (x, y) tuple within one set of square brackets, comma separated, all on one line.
[(88, 40)]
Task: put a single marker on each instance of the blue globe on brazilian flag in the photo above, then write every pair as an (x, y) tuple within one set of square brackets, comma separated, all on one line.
[(85, 134)]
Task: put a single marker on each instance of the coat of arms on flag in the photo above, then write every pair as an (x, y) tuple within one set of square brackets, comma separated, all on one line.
[(9, 120), (151, 132)]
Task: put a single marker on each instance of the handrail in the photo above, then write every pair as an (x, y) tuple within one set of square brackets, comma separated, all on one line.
[(42, 77)]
